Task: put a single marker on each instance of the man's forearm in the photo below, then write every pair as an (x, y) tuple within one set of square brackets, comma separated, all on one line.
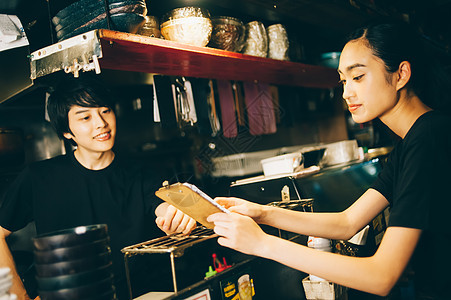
[(6, 260)]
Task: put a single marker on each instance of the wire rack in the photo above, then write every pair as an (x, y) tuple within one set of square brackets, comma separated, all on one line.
[(174, 244)]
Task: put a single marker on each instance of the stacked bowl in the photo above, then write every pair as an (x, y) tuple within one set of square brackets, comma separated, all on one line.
[(74, 263), (86, 15), (228, 33), (5, 284), (190, 25)]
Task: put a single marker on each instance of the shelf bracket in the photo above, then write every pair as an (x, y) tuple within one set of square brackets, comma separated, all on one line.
[(79, 53)]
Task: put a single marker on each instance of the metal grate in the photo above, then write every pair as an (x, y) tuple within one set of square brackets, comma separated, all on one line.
[(175, 243)]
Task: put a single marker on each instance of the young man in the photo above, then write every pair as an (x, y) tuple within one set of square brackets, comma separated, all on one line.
[(91, 185)]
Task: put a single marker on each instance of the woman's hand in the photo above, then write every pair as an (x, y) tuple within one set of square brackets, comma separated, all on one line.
[(239, 232), (175, 221), (253, 210)]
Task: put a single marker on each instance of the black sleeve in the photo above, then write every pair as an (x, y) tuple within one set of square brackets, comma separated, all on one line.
[(384, 182), (16, 210), (418, 179), (151, 184)]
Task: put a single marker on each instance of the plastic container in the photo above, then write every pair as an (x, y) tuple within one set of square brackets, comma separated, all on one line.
[(340, 152), (330, 59), (320, 244), (282, 164), (323, 290)]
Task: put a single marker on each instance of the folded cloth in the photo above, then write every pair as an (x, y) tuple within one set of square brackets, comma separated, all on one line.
[(227, 104), (260, 108), (252, 100), (267, 109)]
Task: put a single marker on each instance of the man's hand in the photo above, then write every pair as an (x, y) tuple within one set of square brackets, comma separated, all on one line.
[(171, 220)]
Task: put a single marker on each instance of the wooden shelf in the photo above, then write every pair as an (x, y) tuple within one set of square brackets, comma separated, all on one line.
[(106, 49), (131, 52)]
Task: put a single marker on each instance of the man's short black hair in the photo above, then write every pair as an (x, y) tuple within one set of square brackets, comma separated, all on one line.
[(85, 91)]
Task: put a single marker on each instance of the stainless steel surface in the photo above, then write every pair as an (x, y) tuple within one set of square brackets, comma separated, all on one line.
[(74, 55), (12, 151), (377, 152), (15, 75), (299, 205), (297, 174)]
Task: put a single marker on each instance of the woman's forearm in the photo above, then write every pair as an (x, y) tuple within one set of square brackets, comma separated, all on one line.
[(327, 225), (377, 274), (342, 225)]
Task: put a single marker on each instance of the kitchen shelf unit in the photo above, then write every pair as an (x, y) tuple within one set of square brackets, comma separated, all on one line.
[(108, 49)]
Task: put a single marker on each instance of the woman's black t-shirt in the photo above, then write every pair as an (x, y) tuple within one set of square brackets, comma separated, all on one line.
[(415, 181), (59, 193)]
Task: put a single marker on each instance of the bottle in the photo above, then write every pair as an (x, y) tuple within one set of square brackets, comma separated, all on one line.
[(320, 244)]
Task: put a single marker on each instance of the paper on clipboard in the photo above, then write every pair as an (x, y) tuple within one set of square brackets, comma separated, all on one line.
[(190, 200), (12, 34)]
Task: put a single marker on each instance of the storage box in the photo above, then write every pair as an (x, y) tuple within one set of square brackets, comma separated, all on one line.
[(323, 290), (240, 164), (281, 164)]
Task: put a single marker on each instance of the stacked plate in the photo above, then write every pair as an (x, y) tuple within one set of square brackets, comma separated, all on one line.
[(74, 264), (5, 284), (86, 15)]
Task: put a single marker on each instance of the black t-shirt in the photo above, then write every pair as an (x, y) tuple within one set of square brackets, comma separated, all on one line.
[(415, 181), (59, 193)]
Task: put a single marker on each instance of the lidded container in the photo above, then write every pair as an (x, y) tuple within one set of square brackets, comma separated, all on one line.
[(228, 33), (189, 25), (256, 43), (277, 42)]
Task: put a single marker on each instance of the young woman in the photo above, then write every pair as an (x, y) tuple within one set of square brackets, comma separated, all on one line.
[(90, 185), (384, 76)]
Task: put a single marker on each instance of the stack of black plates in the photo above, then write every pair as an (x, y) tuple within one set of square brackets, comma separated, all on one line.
[(86, 15), (74, 264)]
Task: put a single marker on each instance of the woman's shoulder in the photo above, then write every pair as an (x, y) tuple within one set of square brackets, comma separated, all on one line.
[(432, 123), (435, 117), (430, 133)]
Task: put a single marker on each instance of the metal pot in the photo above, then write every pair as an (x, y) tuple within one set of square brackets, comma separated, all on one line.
[(12, 150)]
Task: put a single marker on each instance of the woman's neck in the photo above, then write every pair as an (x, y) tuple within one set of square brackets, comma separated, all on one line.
[(94, 160), (402, 117)]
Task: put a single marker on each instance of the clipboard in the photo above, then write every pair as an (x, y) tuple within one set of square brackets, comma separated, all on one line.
[(191, 200)]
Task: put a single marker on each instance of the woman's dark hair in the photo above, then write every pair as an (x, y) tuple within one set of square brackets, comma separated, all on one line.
[(86, 91), (396, 42)]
